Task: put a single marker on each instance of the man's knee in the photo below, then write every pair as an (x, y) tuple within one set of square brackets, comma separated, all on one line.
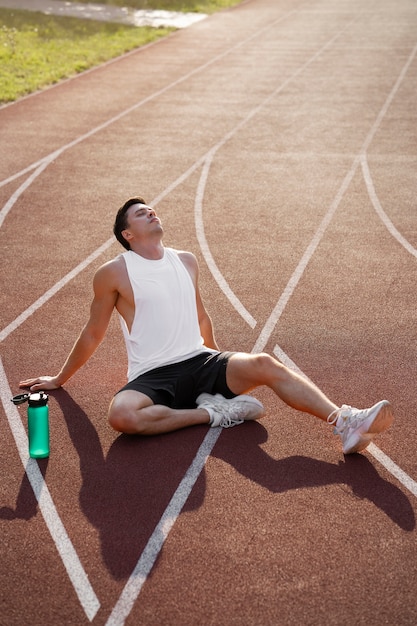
[(124, 413), (120, 418), (268, 367)]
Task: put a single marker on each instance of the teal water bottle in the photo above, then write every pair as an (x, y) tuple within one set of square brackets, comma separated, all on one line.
[(38, 425)]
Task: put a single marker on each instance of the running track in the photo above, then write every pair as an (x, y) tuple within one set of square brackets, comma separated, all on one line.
[(278, 142)]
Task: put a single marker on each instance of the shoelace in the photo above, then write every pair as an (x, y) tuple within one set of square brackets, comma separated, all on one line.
[(228, 421), (350, 418), (229, 416)]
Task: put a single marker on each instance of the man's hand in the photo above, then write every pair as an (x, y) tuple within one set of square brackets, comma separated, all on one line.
[(42, 382)]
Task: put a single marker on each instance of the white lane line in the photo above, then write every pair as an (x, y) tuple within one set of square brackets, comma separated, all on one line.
[(285, 359), (388, 101), (53, 290), (14, 197), (380, 211), (76, 573), (393, 468), (127, 598), (305, 259), (28, 169)]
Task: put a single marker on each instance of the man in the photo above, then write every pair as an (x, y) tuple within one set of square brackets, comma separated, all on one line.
[(177, 376)]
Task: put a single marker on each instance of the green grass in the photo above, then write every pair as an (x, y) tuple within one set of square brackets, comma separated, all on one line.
[(39, 50)]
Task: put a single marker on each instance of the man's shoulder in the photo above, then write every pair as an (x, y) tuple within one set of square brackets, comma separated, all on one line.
[(184, 255), (113, 268), (189, 261)]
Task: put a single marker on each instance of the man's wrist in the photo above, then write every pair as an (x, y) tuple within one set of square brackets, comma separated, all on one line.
[(59, 380)]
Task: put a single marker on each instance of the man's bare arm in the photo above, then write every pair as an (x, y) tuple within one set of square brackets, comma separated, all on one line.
[(105, 297)]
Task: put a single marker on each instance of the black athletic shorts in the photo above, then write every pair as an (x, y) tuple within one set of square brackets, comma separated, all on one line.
[(178, 385)]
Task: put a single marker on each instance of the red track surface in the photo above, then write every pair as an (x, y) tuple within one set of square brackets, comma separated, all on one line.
[(278, 142)]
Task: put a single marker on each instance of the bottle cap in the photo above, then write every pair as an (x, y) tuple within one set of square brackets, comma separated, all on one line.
[(38, 398)]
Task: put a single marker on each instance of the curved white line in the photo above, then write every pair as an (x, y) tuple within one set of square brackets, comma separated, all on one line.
[(208, 257), (14, 197), (380, 211), (388, 101)]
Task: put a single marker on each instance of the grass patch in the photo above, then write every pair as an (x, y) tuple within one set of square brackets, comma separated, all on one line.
[(38, 50)]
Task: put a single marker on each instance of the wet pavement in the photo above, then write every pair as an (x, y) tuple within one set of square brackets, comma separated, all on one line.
[(107, 13)]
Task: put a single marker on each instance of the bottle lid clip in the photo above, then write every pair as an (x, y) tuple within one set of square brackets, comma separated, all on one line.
[(21, 398)]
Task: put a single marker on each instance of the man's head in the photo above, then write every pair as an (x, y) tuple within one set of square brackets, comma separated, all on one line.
[(120, 223)]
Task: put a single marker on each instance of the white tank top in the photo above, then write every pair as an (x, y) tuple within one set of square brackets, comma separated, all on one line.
[(165, 327)]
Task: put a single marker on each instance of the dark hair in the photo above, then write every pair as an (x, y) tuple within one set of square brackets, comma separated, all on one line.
[(120, 223)]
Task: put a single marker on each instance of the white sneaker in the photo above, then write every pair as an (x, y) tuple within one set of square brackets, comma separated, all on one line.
[(228, 413), (357, 427)]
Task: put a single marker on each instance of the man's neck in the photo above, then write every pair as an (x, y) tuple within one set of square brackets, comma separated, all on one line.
[(152, 252)]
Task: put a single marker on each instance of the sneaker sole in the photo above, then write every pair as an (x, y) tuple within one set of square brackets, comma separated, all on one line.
[(382, 422), (256, 407)]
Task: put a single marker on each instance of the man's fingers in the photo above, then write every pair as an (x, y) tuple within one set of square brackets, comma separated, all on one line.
[(36, 384), (26, 383)]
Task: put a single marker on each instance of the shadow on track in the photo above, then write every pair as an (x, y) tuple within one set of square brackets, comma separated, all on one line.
[(26, 503), (356, 472), (125, 493)]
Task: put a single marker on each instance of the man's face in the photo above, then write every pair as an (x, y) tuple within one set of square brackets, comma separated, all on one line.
[(141, 221)]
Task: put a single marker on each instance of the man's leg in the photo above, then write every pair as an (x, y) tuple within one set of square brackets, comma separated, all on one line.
[(247, 371), (356, 427), (133, 412)]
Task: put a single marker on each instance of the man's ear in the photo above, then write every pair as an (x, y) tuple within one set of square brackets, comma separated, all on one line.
[(126, 234)]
